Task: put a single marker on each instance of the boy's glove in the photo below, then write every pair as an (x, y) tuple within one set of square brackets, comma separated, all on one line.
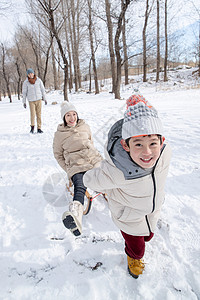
[(24, 105), (45, 102)]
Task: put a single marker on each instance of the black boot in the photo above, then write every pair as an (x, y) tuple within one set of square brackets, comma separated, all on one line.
[(32, 129), (39, 131)]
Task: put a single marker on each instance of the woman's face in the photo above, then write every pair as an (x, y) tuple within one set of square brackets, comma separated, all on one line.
[(71, 118)]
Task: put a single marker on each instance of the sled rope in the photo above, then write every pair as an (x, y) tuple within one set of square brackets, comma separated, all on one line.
[(95, 196), (89, 197)]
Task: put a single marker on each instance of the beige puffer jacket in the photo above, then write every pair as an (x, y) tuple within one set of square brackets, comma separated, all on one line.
[(135, 204), (74, 150)]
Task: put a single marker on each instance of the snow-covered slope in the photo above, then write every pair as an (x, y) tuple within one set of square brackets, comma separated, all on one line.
[(41, 260)]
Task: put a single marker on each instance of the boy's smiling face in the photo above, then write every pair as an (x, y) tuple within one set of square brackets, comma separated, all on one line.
[(144, 150)]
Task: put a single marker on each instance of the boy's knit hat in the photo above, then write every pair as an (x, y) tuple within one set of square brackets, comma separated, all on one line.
[(140, 118), (29, 71), (66, 107)]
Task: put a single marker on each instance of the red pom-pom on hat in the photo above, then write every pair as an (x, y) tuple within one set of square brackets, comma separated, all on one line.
[(134, 99)]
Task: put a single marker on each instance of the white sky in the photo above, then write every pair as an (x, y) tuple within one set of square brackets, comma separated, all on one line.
[(17, 14), (9, 18)]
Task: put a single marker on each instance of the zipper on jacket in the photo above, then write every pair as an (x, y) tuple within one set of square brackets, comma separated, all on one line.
[(154, 193), (148, 224)]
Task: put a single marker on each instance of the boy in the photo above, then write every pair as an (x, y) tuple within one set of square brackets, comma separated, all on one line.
[(133, 177)]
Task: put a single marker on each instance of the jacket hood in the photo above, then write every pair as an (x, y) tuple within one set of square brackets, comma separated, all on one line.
[(120, 157)]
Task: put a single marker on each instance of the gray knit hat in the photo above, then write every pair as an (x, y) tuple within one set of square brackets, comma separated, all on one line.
[(66, 107), (140, 118)]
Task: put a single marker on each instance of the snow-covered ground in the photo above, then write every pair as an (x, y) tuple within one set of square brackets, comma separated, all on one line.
[(41, 260)]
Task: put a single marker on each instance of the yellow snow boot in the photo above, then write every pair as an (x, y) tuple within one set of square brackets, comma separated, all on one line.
[(135, 266)]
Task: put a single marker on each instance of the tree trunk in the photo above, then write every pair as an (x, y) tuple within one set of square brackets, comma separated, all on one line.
[(47, 7), (21, 54), (166, 44), (6, 78), (90, 78), (77, 43), (111, 47), (46, 63), (64, 12), (199, 48), (145, 42), (125, 49), (117, 48), (19, 79), (74, 77), (38, 47), (59, 69), (158, 42), (74, 43), (0, 87), (92, 47), (62, 53), (54, 67)]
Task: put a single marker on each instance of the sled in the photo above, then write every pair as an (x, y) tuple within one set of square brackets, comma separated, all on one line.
[(58, 191), (88, 196)]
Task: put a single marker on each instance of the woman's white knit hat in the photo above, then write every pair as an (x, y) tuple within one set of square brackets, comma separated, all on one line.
[(66, 107), (140, 118)]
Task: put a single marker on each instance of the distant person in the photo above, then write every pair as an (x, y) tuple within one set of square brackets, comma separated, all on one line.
[(33, 90), (75, 153), (133, 177)]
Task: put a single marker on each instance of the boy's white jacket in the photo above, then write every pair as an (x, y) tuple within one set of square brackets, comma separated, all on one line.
[(135, 201), (33, 92), (74, 149)]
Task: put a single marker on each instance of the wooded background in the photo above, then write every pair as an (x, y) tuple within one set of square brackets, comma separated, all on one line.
[(67, 42)]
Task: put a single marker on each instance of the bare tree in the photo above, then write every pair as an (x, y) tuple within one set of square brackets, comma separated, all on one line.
[(31, 37), (196, 12), (125, 48), (158, 42), (66, 15), (6, 75), (55, 80), (19, 81), (47, 55), (111, 44), (90, 76), (199, 47), (74, 28), (48, 7), (0, 84), (71, 51), (147, 14), (20, 52), (166, 44), (90, 28), (124, 7)]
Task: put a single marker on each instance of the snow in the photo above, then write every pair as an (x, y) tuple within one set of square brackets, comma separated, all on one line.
[(41, 260)]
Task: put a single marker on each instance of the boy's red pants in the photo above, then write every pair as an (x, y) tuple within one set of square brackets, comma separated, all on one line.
[(135, 245)]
